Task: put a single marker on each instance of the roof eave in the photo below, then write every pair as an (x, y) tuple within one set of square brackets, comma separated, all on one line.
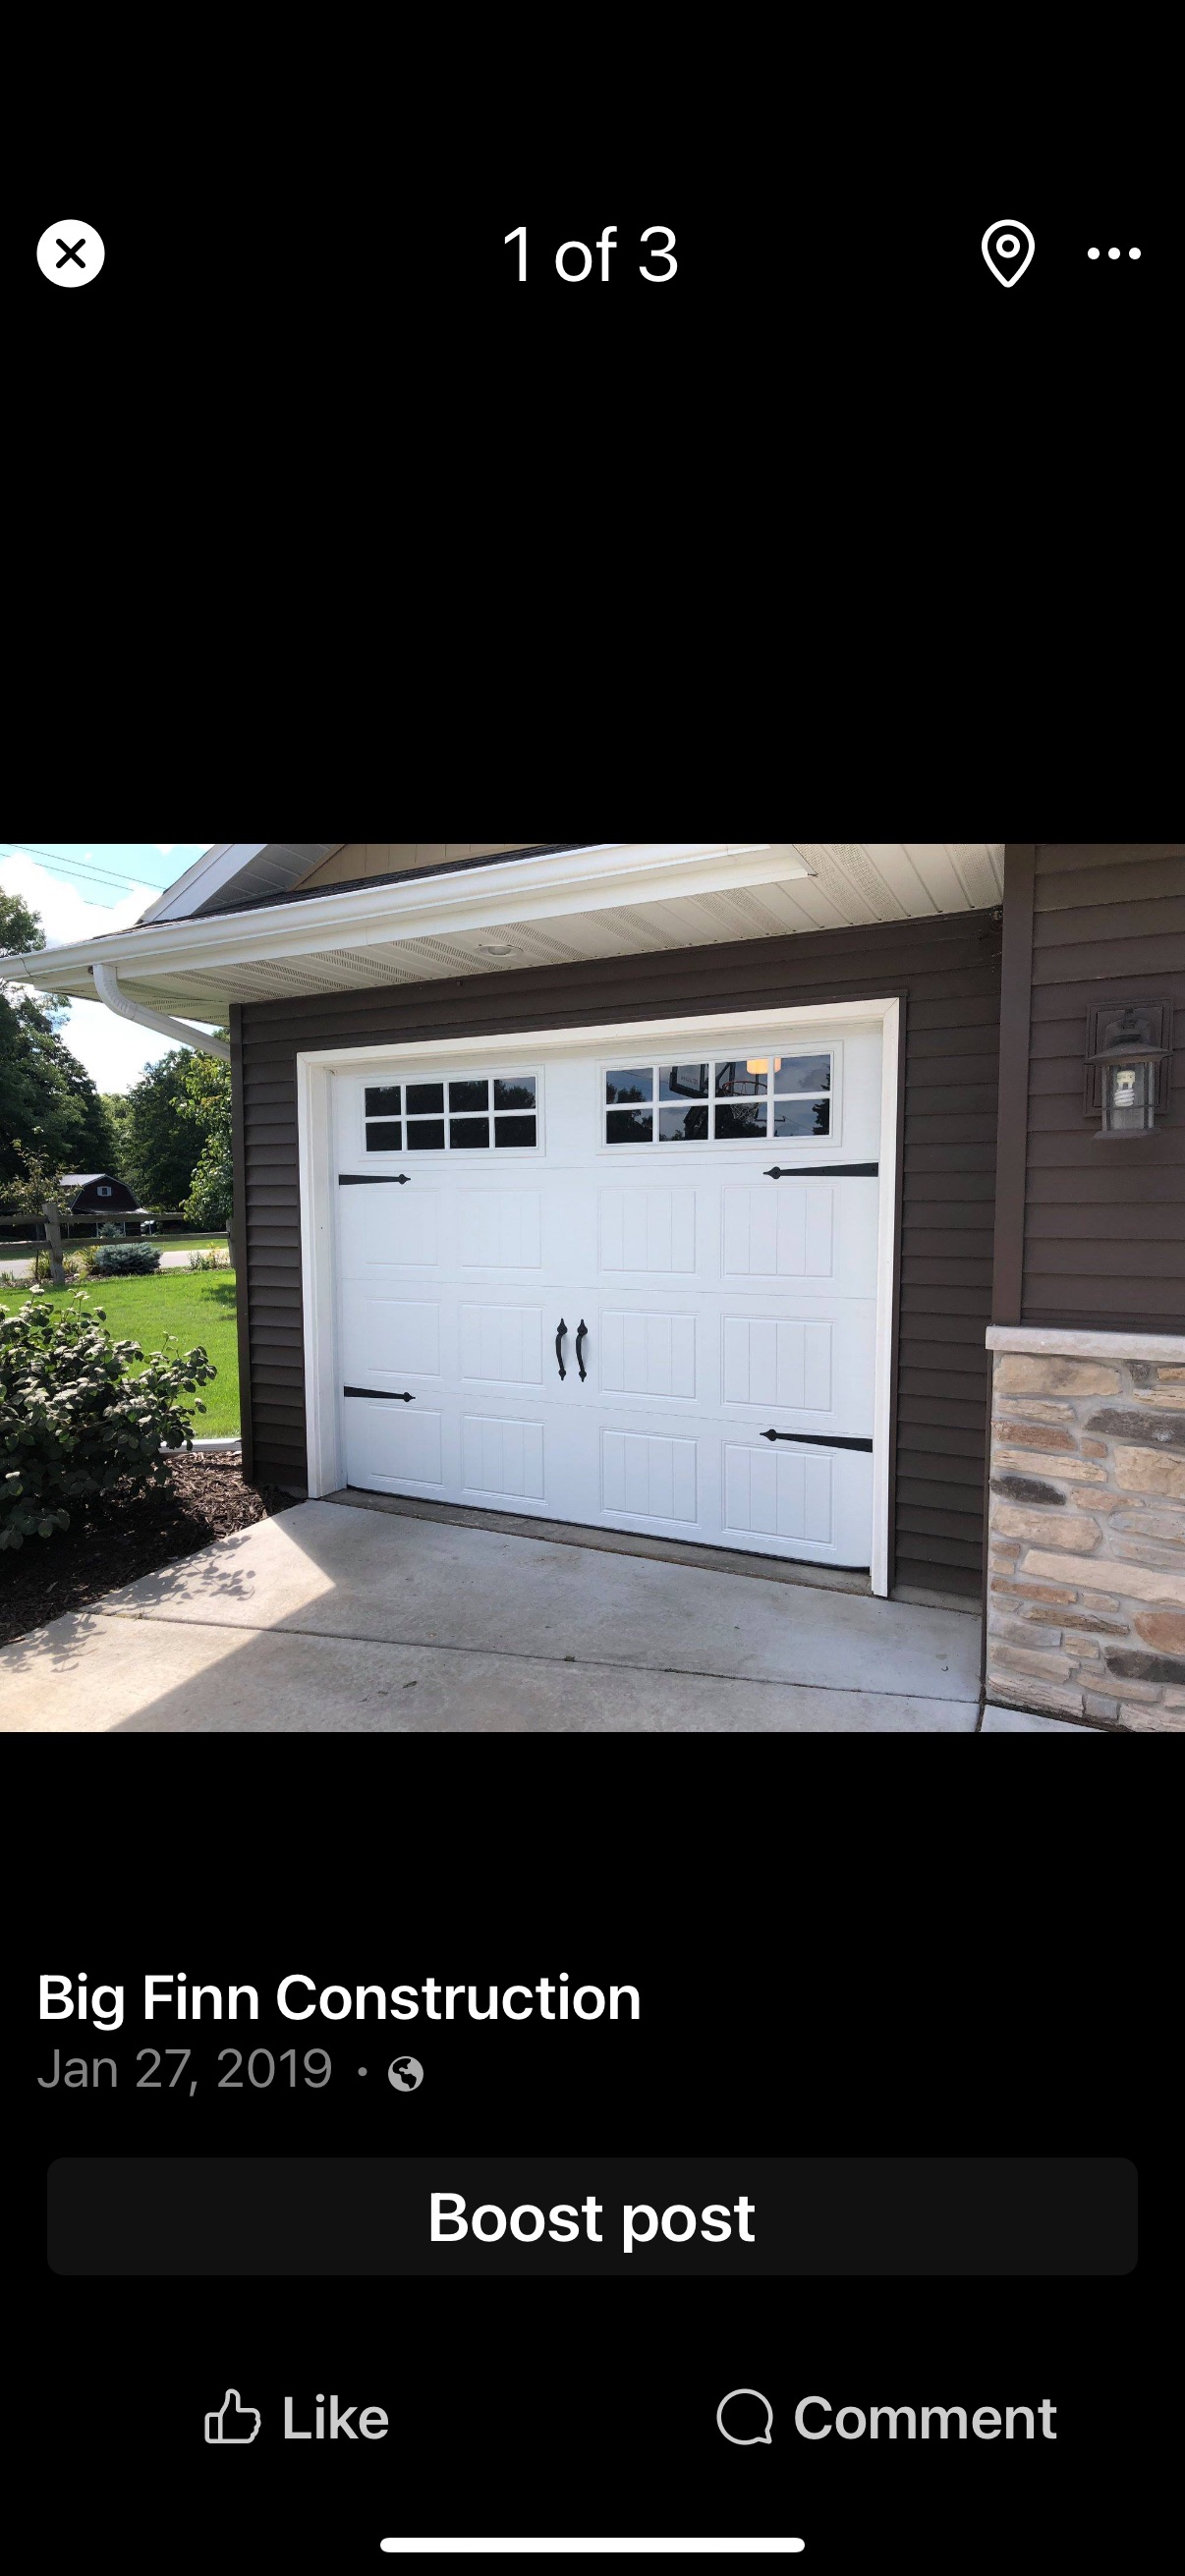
[(603, 876)]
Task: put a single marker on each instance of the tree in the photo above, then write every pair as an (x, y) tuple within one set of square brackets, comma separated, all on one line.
[(43, 1087), (21, 933), (159, 1142), (208, 1093), (20, 929), (115, 1104), (42, 1195), (46, 1095)]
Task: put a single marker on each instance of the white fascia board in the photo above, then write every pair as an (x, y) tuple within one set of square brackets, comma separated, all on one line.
[(215, 868), (590, 880)]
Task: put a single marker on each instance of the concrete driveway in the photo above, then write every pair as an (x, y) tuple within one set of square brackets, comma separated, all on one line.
[(333, 1620)]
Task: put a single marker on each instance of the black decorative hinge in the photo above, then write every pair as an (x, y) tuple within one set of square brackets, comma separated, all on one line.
[(814, 1440), (372, 1180), (378, 1395), (823, 1172)]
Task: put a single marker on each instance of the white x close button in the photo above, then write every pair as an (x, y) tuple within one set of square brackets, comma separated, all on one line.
[(70, 253)]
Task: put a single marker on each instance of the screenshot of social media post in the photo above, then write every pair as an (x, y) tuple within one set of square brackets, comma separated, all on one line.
[(448, 2208)]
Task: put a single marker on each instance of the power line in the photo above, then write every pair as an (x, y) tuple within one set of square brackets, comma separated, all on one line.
[(79, 867)]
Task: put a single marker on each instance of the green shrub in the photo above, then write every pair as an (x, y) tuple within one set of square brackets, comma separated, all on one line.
[(73, 1422), (43, 1267), (123, 1260)]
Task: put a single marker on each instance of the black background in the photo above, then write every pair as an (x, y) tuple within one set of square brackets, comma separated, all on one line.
[(832, 486), (858, 1955)]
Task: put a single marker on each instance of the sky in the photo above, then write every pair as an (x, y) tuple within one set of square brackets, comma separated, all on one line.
[(80, 891)]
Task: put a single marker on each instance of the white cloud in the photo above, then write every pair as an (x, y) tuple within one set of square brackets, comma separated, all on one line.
[(65, 913), (164, 847), (114, 1051)]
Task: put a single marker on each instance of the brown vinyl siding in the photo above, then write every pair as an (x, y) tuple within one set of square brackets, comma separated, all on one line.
[(947, 972), (1103, 1223)]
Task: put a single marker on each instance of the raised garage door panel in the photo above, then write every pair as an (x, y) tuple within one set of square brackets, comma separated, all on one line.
[(395, 1336), (784, 1233), (392, 1449), (773, 1359), (647, 1230), (647, 1354), (715, 1305)]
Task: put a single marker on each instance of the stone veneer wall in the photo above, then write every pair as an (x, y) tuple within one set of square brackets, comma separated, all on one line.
[(1086, 1532)]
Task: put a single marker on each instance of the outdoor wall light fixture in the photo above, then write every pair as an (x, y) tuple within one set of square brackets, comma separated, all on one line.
[(1128, 1056)]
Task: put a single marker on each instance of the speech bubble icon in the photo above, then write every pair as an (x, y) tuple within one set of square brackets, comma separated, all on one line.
[(745, 2414)]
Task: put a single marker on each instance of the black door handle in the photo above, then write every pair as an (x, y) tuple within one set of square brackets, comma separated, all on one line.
[(561, 1329), (581, 1331)]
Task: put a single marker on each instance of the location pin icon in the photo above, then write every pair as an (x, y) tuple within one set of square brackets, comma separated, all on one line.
[(1007, 247)]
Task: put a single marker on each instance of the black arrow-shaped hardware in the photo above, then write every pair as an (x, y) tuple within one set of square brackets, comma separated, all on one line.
[(814, 1440)]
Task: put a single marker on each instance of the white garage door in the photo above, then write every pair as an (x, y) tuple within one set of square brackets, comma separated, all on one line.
[(614, 1289)]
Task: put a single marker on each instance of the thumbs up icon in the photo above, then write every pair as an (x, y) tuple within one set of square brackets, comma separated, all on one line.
[(232, 2422)]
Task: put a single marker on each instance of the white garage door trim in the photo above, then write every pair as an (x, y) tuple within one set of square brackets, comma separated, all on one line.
[(314, 1080)]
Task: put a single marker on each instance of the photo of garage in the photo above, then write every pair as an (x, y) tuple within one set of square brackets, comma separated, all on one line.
[(686, 1200)]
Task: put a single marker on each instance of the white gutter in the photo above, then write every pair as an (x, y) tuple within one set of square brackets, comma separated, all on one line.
[(541, 889), (110, 991)]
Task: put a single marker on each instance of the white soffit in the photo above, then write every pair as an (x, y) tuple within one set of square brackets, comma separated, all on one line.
[(243, 868), (535, 913)]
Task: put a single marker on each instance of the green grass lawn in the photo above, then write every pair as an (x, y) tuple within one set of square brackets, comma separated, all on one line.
[(195, 1305)]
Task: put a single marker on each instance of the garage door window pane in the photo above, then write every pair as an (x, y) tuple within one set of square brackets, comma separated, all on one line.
[(515, 1095), (383, 1102), (629, 1126), (804, 1073), (634, 1083), (423, 1096), (384, 1137), (683, 1082), (802, 1117), (683, 1126), (424, 1133), (735, 1082), (469, 1095), (742, 1118), (468, 1131), (514, 1131)]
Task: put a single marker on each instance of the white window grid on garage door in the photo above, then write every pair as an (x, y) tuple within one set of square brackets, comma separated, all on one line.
[(773, 1092), (453, 1111)]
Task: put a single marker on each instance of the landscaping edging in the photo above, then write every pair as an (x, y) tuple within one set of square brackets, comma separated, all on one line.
[(1086, 1526)]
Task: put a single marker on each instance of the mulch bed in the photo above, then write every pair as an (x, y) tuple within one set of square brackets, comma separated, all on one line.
[(124, 1534)]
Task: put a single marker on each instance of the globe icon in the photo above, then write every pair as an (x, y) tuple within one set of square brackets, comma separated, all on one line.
[(405, 2073)]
